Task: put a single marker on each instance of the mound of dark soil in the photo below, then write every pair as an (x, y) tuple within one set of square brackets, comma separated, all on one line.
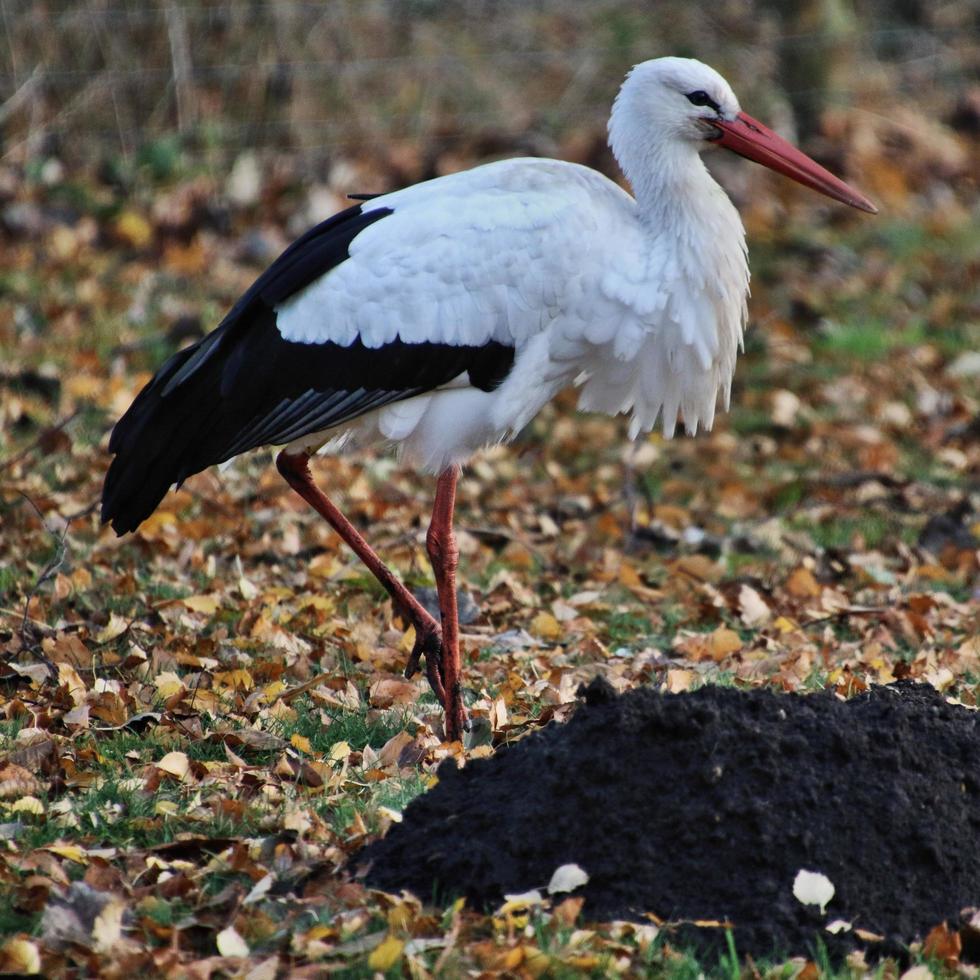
[(706, 805)]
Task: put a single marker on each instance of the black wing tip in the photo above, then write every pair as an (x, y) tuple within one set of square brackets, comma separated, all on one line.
[(130, 494)]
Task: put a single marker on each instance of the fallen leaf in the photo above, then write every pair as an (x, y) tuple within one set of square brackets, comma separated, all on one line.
[(175, 764), (545, 626), (20, 956), (107, 929), (813, 888), (802, 584), (208, 604), (116, 626), (943, 944), (921, 972), (386, 954), (71, 852), (230, 943), (167, 684), (754, 610), (301, 742), (28, 805), (567, 878), (723, 641)]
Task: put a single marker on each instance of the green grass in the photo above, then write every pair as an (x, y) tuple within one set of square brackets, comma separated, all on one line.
[(352, 727), (395, 793), (117, 810), (13, 920), (9, 581), (876, 528), (627, 628), (869, 339)]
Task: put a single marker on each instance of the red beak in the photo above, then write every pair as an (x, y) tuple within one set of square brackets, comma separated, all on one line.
[(749, 138)]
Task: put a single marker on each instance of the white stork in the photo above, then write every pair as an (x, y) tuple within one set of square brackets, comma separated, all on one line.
[(442, 317)]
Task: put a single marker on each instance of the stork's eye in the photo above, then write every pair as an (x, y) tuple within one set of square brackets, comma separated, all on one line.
[(702, 98)]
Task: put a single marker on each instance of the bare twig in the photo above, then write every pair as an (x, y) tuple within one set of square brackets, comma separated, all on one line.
[(49, 571), (25, 92), (847, 611), (28, 449), (180, 59)]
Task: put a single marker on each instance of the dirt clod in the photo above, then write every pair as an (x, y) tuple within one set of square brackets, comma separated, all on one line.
[(706, 805)]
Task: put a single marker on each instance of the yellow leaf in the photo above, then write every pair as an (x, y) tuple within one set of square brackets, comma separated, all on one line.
[(271, 691), (20, 956), (407, 642), (159, 522), (175, 764), (302, 743), (116, 626), (207, 604), (168, 684), (724, 641), (545, 626), (536, 962), (403, 913), (234, 680), (29, 804), (165, 808), (586, 963), (339, 751), (133, 229), (83, 385), (71, 852), (785, 625), (386, 954), (802, 584), (322, 603)]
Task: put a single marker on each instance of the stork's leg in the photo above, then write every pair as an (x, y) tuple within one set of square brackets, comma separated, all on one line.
[(428, 641), (440, 542)]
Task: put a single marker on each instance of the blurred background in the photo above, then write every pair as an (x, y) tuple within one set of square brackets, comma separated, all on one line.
[(155, 156), (391, 91)]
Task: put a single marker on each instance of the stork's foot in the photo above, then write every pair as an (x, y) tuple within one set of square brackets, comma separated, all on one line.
[(428, 644)]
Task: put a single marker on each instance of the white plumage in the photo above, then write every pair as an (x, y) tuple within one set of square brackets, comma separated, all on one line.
[(641, 301), (442, 317)]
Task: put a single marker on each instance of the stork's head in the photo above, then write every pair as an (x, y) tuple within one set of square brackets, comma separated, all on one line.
[(680, 98), (681, 102)]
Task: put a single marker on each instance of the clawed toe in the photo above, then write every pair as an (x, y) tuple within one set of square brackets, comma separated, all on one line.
[(428, 644)]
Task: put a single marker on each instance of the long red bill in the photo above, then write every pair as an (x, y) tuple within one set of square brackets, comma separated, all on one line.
[(751, 139)]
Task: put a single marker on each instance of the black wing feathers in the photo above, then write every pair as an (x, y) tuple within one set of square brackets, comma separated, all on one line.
[(244, 386)]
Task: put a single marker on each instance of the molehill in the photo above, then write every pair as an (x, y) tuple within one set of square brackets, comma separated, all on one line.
[(706, 805)]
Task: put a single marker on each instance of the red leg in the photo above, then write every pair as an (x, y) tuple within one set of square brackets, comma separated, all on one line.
[(428, 640), (443, 551)]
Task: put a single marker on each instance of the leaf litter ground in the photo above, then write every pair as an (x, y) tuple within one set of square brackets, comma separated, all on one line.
[(705, 806), (203, 723)]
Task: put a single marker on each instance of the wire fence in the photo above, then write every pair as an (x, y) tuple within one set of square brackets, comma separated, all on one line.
[(90, 80)]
